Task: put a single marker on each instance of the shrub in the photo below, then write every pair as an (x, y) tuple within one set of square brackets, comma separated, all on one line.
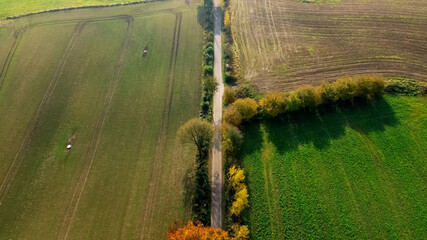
[(207, 70), (247, 107), (346, 88), (293, 103), (328, 93), (273, 104), (245, 91), (209, 51), (406, 86), (210, 85), (240, 232), (229, 96), (196, 232), (309, 98), (232, 139), (236, 177), (232, 115)]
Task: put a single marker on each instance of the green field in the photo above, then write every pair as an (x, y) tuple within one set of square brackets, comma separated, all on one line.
[(80, 76), (20, 7), (357, 172)]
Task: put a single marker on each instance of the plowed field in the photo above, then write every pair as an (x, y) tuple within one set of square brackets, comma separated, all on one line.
[(288, 43)]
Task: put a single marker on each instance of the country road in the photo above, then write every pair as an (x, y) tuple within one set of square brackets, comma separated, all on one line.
[(216, 214)]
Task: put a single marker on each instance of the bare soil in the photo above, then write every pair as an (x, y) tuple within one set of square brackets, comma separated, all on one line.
[(285, 44)]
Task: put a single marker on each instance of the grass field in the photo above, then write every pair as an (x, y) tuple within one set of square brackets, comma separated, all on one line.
[(284, 44), (20, 7), (123, 178), (355, 173)]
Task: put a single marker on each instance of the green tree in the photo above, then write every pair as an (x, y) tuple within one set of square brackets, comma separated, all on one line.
[(199, 132)]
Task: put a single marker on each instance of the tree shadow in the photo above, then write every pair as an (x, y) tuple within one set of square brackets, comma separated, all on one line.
[(321, 126), (189, 184)]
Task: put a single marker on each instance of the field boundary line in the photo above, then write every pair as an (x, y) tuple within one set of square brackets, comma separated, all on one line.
[(161, 140), (96, 137), (19, 156)]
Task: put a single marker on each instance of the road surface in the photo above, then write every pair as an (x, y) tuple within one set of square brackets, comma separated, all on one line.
[(216, 214)]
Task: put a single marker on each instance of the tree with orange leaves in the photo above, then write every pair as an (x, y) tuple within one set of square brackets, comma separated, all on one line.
[(193, 232)]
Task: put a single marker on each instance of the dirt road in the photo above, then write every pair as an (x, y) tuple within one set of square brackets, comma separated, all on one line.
[(216, 214)]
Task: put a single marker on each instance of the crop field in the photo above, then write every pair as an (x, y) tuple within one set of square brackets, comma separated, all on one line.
[(80, 77), (11, 8), (357, 172), (287, 43)]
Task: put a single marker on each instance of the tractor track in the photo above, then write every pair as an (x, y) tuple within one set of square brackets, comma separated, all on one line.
[(96, 137), (18, 33), (20, 154), (161, 141)]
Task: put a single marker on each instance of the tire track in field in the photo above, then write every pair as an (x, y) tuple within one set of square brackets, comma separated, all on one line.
[(6, 64), (20, 154), (161, 141), (96, 137)]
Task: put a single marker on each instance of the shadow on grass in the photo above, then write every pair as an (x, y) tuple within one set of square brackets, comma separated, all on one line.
[(321, 126), (188, 183)]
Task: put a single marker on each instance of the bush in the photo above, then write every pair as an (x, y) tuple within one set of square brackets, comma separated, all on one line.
[(346, 88), (293, 103), (309, 98), (232, 140), (210, 85), (247, 107), (240, 232), (232, 115), (273, 104), (236, 177), (406, 86), (229, 96), (207, 70), (328, 93), (245, 91)]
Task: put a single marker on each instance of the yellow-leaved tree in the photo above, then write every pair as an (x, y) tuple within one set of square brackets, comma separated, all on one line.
[(227, 19), (236, 177), (241, 232), (192, 232)]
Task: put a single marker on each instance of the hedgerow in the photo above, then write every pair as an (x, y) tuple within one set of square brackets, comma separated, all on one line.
[(306, 97)]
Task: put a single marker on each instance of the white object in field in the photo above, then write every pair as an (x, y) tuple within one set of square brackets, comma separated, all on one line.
[(68, 146)]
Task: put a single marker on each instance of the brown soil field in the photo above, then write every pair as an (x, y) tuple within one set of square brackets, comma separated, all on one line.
[(284, 44)]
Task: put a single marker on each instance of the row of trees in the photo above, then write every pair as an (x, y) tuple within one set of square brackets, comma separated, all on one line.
[(236, 192), (305, 97), (199, 132)]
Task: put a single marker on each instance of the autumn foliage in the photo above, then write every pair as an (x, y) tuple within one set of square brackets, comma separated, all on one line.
[(199, 232), (236, 177)]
